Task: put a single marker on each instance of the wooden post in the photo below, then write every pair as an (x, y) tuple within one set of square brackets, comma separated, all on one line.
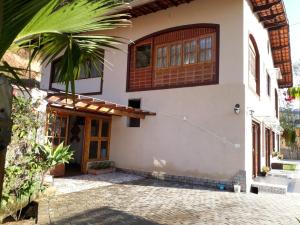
[(5, 124)]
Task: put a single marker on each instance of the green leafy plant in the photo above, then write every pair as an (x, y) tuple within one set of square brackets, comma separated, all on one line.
[(102, 165), (54, 156), (280, 156), (274, 154), (24, 176), (49, 28), (265, 170)]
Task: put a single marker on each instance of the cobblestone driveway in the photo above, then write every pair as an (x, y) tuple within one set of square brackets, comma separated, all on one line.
[(152, 202)]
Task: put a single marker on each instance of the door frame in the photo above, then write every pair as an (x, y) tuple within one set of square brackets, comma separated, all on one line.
[(67, 113), (267, 146), (88, 139), (256, 149)]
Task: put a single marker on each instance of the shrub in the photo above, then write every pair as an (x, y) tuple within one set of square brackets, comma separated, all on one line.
[(265, 169), (280, 156), (24, 177), (27, 161)]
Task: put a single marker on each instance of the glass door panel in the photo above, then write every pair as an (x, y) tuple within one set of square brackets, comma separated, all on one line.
[(93, 150), (104, 150), (94, 128), (57, 126), (105, 129)]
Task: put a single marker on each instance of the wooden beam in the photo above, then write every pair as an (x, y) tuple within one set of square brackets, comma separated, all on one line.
[(266, 6), (280, 47), (275, 25), (282, 62), (77, 113), (270, 17)]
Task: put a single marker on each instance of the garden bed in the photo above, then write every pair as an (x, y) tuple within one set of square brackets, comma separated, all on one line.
[(101, 167), (284, 166)]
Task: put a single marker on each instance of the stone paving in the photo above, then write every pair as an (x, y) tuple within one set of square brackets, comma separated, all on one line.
[(154, 202), (84, 182)]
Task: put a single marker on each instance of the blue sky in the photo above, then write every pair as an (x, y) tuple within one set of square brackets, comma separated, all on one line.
[(293, 12)]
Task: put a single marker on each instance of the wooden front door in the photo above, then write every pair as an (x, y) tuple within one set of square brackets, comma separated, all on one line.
[(255, 149), (97, 140)]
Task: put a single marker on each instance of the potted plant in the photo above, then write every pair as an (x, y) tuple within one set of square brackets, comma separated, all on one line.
[(274, 154), (57, 157), (265, 170), (280, 156)]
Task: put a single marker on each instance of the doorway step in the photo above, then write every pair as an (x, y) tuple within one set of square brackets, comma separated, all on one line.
[(270, 184)]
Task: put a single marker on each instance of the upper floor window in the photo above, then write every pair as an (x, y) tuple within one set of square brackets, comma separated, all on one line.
[(205, 49), (143, 56), (175, 54), (190, 52), (268, 85), (253, 66), (161, 57), (90, 70), (177, 57), (89, 80), (276, 104)]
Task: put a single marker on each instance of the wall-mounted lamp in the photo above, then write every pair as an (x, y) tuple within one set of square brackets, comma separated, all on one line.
[(251, 111), (237, 109)]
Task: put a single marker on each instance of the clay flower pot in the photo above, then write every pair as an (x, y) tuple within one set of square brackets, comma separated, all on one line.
[(58, 170)]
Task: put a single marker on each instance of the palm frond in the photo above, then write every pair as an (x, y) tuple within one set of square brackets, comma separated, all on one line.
[(15, 76), (14, 16), (59, 28), (74, 17)]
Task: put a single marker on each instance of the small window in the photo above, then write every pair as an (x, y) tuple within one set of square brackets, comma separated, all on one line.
[(161, 57), (134, 103), (190, 52), (205, 49), (268, 85), (175, 55), (143, 56)]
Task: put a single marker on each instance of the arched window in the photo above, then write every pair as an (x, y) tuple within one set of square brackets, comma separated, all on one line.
[(254, 66), (176, 57), (276, 103)]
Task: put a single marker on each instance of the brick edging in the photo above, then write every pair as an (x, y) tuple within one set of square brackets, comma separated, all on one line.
[(210, 183)]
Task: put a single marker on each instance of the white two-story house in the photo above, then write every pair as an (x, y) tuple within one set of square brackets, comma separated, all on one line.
[(193, 97)]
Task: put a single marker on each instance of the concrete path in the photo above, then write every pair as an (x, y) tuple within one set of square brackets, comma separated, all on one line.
[(153, 202)]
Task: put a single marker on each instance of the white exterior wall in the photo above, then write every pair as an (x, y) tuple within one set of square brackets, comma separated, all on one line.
[(195, 131), (263, 105), (210, 142)]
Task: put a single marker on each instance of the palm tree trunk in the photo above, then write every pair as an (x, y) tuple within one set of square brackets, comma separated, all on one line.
[(5, 124)]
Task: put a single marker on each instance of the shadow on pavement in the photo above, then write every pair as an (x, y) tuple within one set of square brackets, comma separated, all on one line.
[(104, 216)]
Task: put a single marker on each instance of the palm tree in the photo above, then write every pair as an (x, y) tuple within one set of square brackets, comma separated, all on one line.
[(48, 28)]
